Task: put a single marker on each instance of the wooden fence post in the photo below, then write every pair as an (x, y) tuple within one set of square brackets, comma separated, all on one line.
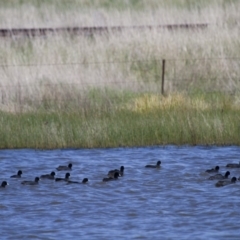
[(163, 75)]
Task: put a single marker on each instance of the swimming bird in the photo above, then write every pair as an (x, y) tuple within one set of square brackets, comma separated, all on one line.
[(112, 172), (35, 182), (65, 168), (67, 175), (219, 176), (85, 180), (233, 165), (224, 183), (4, 184), (48, 176), (18, 175), (213, 170), (154, 166), (116, 175)]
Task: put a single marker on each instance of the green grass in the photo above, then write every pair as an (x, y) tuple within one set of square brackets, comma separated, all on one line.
[(122, 124)]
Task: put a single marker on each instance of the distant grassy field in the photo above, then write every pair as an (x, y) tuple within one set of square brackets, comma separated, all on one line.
[(104, 90)]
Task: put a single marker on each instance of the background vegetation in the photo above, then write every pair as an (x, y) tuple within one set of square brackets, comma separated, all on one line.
[(103, 90)]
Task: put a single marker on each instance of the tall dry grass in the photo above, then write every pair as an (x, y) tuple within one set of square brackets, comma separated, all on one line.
[(60, 69), (50, 13)]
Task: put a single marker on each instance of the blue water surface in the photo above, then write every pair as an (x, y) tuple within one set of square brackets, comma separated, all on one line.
[(173, 202)]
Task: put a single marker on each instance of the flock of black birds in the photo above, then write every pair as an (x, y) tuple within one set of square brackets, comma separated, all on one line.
[(112, 175), (223, 179)]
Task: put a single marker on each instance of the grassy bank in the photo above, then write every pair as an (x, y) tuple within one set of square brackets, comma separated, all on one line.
[(145, 119), (103, 90)]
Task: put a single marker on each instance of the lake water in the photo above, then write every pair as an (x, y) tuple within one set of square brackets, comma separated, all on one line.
[(173, 202)]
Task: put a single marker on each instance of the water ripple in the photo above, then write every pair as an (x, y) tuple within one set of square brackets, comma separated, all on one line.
[(175, 201)]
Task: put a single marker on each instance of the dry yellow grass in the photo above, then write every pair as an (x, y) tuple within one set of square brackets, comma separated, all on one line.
[(154, 102), (40, 68)]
